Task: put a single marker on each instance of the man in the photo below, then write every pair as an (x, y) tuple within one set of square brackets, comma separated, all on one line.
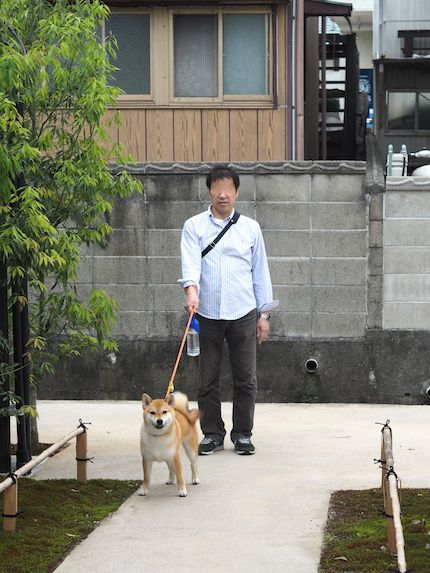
[(230, 287)]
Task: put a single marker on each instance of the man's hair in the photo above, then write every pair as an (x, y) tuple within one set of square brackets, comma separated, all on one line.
[(222, 172)]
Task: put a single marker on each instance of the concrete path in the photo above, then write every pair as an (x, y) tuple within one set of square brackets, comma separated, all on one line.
[(249, 514)]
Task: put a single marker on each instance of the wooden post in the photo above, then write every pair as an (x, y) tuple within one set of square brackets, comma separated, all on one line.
[(388, 508), (383, 464), (10, 507), (81, 457), (387, 463)]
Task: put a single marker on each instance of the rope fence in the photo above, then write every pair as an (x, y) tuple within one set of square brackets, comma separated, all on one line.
[(390, 490), (10, 485)]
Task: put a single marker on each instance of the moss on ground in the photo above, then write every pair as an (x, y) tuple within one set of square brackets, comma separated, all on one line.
[(355, 538), (54, 516)]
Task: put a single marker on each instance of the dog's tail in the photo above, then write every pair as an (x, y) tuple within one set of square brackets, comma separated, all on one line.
[(181, 404)]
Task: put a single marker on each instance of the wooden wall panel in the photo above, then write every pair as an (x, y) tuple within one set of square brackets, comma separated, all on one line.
[(110, 126), (159, 135), (216, 138), (132, 133), (243, 135), (187, 135), (271, 135), (111, 129)]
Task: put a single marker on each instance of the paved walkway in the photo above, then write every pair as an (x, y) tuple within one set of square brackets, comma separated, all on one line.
[(249, 514)]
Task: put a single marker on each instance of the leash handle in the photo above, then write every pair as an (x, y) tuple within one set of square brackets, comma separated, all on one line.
[(171, 387)]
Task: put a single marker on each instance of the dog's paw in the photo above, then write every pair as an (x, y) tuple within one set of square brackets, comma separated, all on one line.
[(195, 481), (183, 493), (143, 491), (170, 482)]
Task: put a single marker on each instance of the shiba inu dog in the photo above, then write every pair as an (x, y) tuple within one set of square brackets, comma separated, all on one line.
[(166, 425)]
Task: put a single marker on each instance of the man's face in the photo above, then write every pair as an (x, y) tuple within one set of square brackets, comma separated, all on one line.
[(223, 196)]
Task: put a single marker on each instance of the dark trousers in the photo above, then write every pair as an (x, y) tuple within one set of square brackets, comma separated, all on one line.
[(240, 336)]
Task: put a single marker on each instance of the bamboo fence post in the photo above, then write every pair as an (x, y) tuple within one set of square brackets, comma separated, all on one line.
[(388, 508), (396, 542), (388, 462), (81, 457), (397, 524), (10, 507), (10, 485)]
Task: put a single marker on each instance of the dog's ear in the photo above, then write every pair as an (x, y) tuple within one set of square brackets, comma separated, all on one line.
[(146, 400), (171, 400)]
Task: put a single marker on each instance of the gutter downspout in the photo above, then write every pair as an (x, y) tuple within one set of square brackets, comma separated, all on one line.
[(291, 57), (300, 78)]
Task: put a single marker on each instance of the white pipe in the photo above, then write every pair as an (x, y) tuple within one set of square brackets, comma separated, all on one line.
[(300, 84), (293, 81)]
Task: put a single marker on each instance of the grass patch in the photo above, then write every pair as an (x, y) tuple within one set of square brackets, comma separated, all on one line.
[(355, 537), (54, 516)]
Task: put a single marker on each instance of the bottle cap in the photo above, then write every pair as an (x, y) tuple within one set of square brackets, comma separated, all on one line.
[(195, 324)]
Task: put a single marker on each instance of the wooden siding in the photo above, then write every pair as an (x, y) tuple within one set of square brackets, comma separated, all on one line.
[(201, 135)]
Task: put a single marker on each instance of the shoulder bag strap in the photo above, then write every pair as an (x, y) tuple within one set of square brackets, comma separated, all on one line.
[(232, 221)]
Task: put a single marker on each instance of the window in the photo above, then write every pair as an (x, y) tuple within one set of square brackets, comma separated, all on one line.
[(408, 111), (221, 55), (184, 56), (246, 54), (195, 55), (132, 33)]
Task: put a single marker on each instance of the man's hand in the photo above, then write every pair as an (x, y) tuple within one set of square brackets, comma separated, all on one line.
[(263, 328), (191, 299)]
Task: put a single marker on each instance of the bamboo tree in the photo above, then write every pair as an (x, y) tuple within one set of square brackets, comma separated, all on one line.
[(60, 142)]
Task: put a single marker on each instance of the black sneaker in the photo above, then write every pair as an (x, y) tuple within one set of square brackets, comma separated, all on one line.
[(243, 446), (208, 446)]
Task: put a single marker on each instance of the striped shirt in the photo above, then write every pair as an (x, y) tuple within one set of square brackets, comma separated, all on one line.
[(233, 278)]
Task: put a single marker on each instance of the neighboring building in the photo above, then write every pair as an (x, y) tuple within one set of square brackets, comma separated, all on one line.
[(210, 80), (362, 26), (402, 73)]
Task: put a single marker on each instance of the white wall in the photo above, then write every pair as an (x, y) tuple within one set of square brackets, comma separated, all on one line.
[(397, 15), (365, 48), (365, 5)]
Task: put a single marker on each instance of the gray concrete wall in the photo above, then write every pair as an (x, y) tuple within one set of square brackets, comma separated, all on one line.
[(315, 224), (325, 232), (407, 254)]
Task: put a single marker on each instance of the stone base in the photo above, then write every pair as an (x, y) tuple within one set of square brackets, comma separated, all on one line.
[(384, 367)]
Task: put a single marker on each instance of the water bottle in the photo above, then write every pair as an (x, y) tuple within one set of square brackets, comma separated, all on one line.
[(193, 343)]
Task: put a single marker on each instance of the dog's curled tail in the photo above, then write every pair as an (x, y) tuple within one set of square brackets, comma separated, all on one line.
[(181, 404)]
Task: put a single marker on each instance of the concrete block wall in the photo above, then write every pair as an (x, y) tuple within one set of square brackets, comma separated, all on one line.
[(314, 219), (406, 303), (334, 244)]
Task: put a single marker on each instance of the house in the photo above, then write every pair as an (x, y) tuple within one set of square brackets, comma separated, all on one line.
[(402, 74), (215, 80)]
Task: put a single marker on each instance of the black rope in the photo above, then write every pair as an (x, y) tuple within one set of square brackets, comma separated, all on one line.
[(10, 515), (84, 460), (83, 424), (13, 477), (386, 425), (375, 461), (391, 472)]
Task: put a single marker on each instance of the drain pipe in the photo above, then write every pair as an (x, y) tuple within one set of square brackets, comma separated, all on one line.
[(291, 57), (311, 365), (300, 78)]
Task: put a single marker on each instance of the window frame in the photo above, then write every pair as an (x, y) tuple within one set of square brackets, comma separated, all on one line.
[(222, 99), (415, 130), (137, 100)]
